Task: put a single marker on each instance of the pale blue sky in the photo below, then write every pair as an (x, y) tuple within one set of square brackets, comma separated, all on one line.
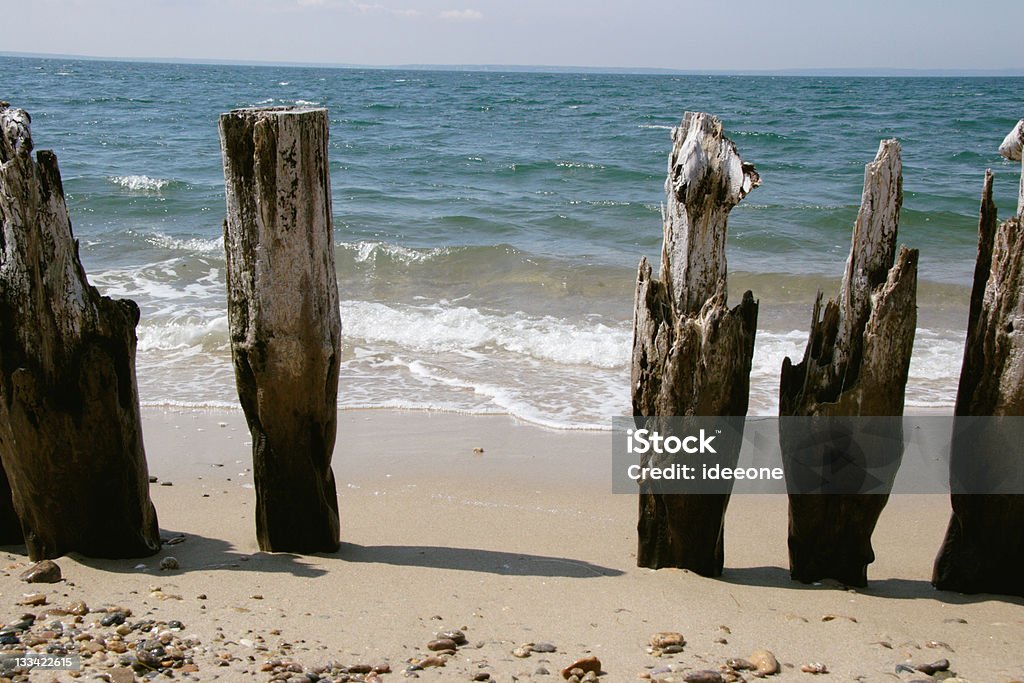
[(676, 34)]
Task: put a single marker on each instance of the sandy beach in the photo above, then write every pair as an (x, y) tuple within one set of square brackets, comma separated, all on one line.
[(522, 543)]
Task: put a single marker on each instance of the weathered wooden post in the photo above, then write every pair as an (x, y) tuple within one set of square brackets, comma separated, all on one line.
[(983, 550), (70, 431), (692, 354), (283, 317), (855, 364)]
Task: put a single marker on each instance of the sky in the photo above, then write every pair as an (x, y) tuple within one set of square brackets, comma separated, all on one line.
[(672, 34)]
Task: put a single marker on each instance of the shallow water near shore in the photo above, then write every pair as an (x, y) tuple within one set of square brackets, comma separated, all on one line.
[(488, 225)]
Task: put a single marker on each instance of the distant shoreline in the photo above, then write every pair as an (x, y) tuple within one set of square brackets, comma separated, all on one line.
[(816, 72)]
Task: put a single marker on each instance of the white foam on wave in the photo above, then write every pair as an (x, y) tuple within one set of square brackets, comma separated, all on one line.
[(370, 251), (194, 335), (140, 183), (653, 126), (447, 328), (192, 244)]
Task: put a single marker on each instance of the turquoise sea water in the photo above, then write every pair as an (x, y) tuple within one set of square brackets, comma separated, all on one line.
[(488, 225)]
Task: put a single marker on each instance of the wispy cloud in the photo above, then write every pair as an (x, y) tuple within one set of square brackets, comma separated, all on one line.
[(461, 15), (375, 7)]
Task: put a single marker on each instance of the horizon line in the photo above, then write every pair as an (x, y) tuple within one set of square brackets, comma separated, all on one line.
[(823, 71)]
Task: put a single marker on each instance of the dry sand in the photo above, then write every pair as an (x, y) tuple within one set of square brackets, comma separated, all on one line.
[(522, 543)]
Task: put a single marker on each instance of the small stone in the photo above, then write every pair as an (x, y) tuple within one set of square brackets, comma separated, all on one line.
[(78, 608), (934, 667), (169, 563), (703, 677), (167, 483), (541, 671), (455, 635), (544, 647), (482, 676), (479, 450), (584, 664), (46, 571), (256, 596), (441, 645), (113, 619), (33, 599), (954, 620), (938, 645), (152, 479), (814, 668), (432, 660), (589, 677), (764, 662), (672, 649), (665, 639), (522, 652), (739, 664)]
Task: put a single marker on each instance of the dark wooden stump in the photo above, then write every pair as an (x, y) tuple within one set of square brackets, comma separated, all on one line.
[(283, 318), (983, 550), (855, 364), (691, 353), (70, 431)]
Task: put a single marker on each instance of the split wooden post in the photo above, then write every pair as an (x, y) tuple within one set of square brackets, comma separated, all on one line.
[(691, 353), (70, 429), (984, 546), (855, 364), (283, 317)]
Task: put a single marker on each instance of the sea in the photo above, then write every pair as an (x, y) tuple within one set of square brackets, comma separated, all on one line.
[(488, 224)]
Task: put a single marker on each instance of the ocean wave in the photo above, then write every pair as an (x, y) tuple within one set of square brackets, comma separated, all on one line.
[(198, 335), (459, 329), (140, 183), (654, 126), (372, 252), (191, 244)]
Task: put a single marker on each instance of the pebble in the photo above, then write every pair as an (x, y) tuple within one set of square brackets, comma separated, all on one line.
[(442, 645), (33, 599), (169, 563), (764, 662), (934, 667), (455, 635), (664, 639), (432, 660), (46, 571), (703, 677), (584, 664), (522, 652), (814, 668), (482, 676), (544, 647)]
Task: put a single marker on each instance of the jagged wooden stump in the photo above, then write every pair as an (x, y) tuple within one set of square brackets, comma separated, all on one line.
[(983, 550), (855, 364), (70, 431), (692, 354), (283, 318)]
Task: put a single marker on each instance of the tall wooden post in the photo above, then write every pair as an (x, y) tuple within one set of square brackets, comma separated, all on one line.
[(692, 354), (983, 550), (70, 430), (855, 364), (283, 317)]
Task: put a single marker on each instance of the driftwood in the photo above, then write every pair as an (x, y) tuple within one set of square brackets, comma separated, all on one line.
[(983, 550), (283, 317), (855, 364), (691, 354), (70, 431)]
